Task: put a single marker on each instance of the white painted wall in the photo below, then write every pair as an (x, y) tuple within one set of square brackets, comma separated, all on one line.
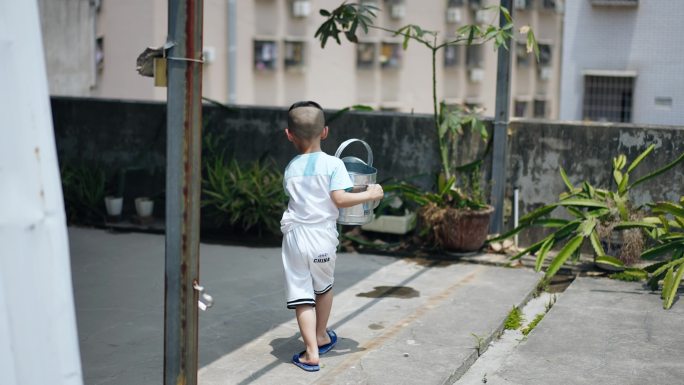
[(38, 341), (648, 39)]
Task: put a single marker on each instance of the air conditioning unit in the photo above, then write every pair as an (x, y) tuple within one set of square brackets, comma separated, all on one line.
[(208, 54), (398, 11), (482, 16), (545, 73), (476, 75), (301, 8), (454, 15)]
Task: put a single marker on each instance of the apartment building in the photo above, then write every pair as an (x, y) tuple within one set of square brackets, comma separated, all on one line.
[(623, 61), (263, 52)]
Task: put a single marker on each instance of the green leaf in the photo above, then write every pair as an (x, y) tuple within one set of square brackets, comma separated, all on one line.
[(542, 254), (674, 286), (669, 208), (507, 15), (608, 260), (562, 256), (596, 244), (541, 211), (566, 180), (587, 226), (583, 203), (532, 45), (661, 249), (323, 12), (622, 186), (617, 175), (639, 158), (633, 224), (658, 171)]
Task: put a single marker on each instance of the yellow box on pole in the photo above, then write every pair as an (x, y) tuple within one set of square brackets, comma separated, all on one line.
[(160, 79)]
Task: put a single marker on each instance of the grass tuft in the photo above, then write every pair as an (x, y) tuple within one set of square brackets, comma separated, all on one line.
[(514, 320)]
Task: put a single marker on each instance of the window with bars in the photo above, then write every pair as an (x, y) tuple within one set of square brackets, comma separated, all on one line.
[(365, 55), (265, 55), (629, 3), (522, 58), (390, 55), (294, 54), (452, 56), (549, 4), (455, 3), (539, 110), (474, 56), (608, 98), (520, 108)]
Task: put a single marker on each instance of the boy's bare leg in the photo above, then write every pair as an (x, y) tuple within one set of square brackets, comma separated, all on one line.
[(323, 307), (306, 318)]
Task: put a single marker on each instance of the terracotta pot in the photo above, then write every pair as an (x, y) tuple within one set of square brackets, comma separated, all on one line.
[(464, 230)]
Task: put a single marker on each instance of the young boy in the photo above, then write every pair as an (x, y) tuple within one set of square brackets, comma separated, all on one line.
[(317, 185)]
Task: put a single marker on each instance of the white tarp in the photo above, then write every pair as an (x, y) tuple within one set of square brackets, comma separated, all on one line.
[(38, 339)]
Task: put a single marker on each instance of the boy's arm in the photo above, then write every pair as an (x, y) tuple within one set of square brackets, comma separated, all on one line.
[(343, 199)]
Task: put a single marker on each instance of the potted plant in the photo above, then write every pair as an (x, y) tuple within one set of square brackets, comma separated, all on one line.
[(595, 214), (114, 206), (451, 211), (394, 214), (144, 207), (668, 242), (114, 200), (83, 189)]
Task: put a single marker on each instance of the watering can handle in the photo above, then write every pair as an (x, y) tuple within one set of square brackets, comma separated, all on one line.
[(350, 141)]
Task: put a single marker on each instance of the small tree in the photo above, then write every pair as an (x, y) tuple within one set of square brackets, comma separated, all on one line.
[(348, 18)]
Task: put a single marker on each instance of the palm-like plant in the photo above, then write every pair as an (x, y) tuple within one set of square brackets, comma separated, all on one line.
[(590, 209), (349, 19), (669, 241)]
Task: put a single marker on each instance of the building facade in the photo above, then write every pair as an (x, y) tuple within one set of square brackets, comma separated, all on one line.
[(622, 61), (263, 52)]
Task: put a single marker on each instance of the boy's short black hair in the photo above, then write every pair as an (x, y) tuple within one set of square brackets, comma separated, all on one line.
[(305, 119)]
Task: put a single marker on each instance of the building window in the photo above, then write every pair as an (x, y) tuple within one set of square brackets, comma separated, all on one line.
[(617, 3), (549, 4), (365, 55), (608, 98), (454, 15), (99, 53), (544, 70), (474, 56), (371, 3), (455, 3), (539, 108), (397, 9), (265, 55), (294, 54), (475, 4), (522, 58), (522, 4), (390, 55), (301, 8), (544, 55), (520, 108), (452, 55)]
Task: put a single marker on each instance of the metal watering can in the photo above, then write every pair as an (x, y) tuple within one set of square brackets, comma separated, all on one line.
[(362, 174)]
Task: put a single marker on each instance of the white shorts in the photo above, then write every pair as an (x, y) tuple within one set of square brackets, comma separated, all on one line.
[(309, 253)]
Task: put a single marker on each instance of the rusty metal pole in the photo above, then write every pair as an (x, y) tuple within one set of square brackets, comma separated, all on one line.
[(501, 115), (183, 184)]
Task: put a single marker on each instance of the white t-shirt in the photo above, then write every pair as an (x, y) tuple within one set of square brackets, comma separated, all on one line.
[(308, 181)]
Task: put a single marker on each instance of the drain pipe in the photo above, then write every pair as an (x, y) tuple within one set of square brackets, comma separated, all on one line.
[(232, 51), (516, 211)]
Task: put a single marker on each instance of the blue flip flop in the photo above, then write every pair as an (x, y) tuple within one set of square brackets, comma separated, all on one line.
[(304, 365), (328, 347)]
